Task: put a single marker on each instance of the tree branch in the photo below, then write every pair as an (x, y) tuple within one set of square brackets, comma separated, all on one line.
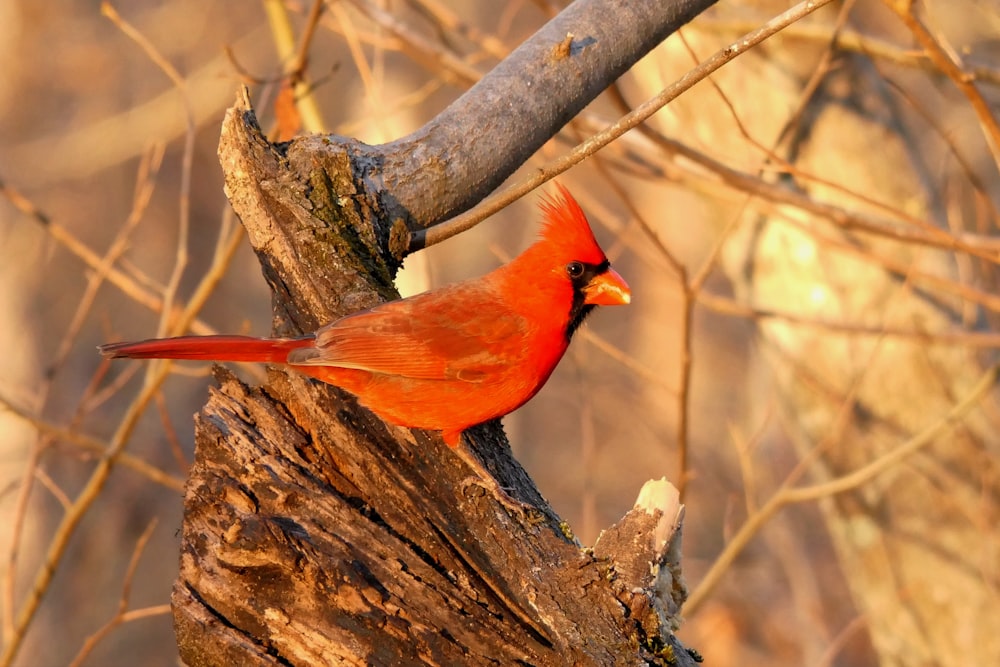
[(487, 133)]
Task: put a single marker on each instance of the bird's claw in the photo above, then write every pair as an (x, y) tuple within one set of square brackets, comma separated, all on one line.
[(523, 510)]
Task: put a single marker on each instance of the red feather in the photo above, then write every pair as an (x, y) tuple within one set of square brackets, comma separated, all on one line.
[(452, 357), (565, 229)]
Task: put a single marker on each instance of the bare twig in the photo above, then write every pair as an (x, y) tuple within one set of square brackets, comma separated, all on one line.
[(905, 229), (87, 496), (833, 648), (122, 614), (145, 185), (53, 488), (726, 306), (686, 325), (947, 61), (184, 219), (171, 433), (788, 495), (295, 58), (446, 64), (855, 42), (156, 373), (32, 471), (373, 94), (450, 22), (596, 142), (128, 285)]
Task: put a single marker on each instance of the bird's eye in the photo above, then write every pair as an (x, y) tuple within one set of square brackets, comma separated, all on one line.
[(574, 269)]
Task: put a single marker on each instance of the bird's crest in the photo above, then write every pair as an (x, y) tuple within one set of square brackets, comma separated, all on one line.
[(565, 227)]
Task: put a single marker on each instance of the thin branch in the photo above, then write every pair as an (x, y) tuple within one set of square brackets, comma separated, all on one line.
[(469, 219), (732, 308), (95, 446), (686, 325), (122, 615), (630, 363), (171, 434), (23, 204), (835, 646), (451, 68), (295, 58), (298, 65), (187, 161), (53, 488), (599, 51), (449, 22), (145, 185), (32, 471), (744, 448), (855, 42), (934, 122), (926, 235), (787, 495), (155, 375), (373, 96), (947, 61), (64, 237)]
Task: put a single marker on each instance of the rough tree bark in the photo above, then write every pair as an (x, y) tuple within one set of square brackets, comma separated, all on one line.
[(316, 534)]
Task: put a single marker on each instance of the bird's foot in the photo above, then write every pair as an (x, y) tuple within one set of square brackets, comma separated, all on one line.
[(523, 510), (485, 479)]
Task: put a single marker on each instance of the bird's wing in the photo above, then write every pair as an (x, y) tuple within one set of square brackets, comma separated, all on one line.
[(459, 332)]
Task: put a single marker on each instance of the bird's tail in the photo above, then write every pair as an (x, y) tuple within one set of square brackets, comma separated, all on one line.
[(209, 348)]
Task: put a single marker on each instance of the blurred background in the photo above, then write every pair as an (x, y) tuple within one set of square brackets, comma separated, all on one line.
[(810, 237)]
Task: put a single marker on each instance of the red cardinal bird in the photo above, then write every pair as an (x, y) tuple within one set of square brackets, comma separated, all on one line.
[(452, 357)]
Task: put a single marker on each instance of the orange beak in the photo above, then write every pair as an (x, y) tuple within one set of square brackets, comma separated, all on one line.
[(607, 289)]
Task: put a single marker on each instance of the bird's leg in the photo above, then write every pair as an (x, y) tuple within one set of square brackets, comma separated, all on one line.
[(486, 480)]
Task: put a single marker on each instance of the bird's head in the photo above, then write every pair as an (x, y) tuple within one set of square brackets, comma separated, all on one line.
[(569, 264)]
